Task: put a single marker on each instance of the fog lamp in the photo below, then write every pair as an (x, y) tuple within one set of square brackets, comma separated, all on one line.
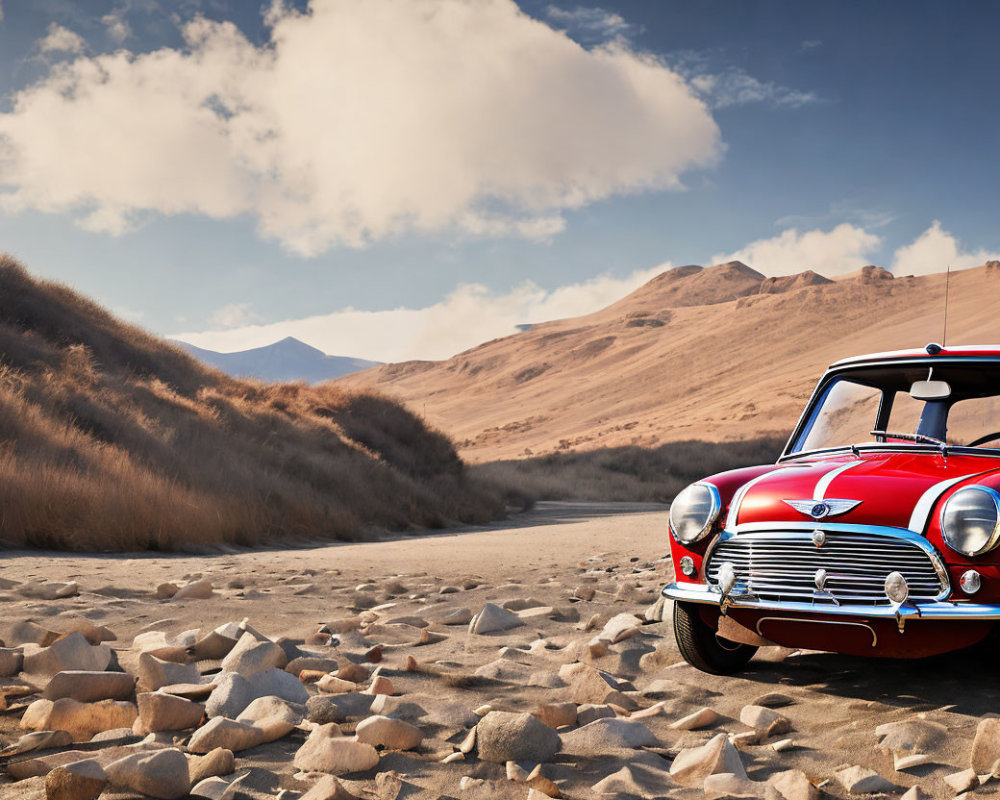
[(727, 578), (971, 581), (687, 566), (896, 589)]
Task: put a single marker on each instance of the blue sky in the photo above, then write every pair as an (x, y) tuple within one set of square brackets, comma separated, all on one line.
[(395, 180)]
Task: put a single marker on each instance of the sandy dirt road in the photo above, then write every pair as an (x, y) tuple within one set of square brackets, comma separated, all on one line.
[(567, 569)]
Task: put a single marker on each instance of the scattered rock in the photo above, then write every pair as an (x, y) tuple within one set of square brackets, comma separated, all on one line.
[(493, 618), (326, 750), (607, 737), (962, 781), (557, 715), (693, 765), (764, 720), (225, 733), (80, 720), (587, 713), (699, 719), (165, 712), (773, 700), (793, 784), (39, 740), (219, 761), (503, 736), (11, 661), (636, 780), (234, 692), (250, 655), (197, 590), (72, 652), (986, 745), (162, 774), (861, 780), (392, 734), (329, 788), (727, 784), (913, 736), (81, 780), (86, 687), (155, 673), (330, 684)]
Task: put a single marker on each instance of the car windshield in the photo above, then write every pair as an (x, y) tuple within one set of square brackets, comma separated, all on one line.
[(873, 405)]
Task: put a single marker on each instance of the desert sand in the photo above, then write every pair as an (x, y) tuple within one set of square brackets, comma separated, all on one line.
[(385, 678), (714, 354)]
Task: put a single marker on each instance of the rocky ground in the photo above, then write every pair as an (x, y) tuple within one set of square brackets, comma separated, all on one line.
[(521, 660)]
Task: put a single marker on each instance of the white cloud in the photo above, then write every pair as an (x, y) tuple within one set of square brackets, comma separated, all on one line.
[(234, 315), (470, 315), (116, 25), (934, 251), (589, 21), (354, 122), (843, 249), (735, 87), (61, 40)]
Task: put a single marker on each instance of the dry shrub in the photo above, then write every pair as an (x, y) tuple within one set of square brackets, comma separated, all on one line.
[(112, 439), (622, 474)]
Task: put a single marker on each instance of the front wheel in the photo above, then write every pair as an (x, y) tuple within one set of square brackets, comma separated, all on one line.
[(701, 646)]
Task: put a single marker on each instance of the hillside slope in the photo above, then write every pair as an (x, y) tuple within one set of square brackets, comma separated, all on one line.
[(715, 354), (112, 439), (287, 360)]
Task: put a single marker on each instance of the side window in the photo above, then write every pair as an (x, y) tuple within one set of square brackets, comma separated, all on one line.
[(846, 416), (971, 419)]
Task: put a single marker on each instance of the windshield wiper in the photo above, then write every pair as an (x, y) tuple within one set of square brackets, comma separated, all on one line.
[(920, 438)]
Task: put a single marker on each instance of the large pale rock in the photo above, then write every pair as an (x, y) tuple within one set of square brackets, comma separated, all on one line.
[(81, 780), (331, 684), (196, 590), (38, 740), (636, 780), (86, 687), (234, 692), (329, 788), (505, 736), (162, 774), (219, 761), (493, 618), (557, 715), (155, 673), (699, 719), (607, 737), (80, 720), (693, 765), (861, 780), (324, 709), (165, 712), (588, 712), (619, 627), (590, 685), (72, 652), (11, 661), (250, 656), (793, 784), (227, 734), (217, 643), (456, 616), (326, 750), (986, 745), (765, 720), (392, 734), (728, 785), (265, 710)]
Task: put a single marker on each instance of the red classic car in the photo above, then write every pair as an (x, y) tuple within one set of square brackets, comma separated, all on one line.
[(876, 533)]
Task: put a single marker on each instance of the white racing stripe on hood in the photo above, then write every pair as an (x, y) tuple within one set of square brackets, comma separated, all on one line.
[(819, 493), (734, 506), (922, 510)]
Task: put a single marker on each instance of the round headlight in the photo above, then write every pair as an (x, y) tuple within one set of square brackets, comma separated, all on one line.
[(969, 520), (693, 512)]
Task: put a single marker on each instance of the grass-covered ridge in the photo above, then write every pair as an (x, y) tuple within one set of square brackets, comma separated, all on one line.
[(113, 439), (626, 474)]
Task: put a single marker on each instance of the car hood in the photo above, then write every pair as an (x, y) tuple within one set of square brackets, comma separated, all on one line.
[(891, 489)]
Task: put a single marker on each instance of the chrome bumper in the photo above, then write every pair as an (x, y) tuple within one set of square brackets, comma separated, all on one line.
[(930, 609)]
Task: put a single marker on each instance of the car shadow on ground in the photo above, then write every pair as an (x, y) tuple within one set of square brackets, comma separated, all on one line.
[(966, 680)]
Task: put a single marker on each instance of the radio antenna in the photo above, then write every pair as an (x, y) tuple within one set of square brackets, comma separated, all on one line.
[(947, 282)]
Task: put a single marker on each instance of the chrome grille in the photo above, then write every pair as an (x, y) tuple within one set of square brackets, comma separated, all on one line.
[(782, 565)]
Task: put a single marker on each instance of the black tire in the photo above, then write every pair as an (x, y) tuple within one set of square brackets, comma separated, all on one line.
[(702, 648)]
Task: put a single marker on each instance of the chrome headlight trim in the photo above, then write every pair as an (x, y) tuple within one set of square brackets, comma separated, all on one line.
[(948, 537), (715, 508)]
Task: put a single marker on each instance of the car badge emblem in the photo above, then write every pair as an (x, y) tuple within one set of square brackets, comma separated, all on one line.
[(821, 509), (820, 579), (819, 538)]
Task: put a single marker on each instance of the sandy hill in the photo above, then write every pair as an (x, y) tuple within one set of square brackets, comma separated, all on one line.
[(112, 439), (719, 353)]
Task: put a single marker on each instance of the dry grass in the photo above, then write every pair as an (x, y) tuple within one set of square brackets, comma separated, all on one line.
[(624, 474), (112, 439)]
